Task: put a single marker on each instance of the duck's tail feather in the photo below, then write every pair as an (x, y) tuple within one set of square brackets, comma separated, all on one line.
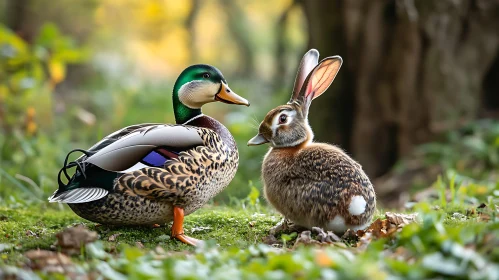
[(63, 191), (79, 195), (78, 163)]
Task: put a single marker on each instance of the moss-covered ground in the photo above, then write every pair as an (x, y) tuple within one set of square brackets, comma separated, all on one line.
[(451, 240), (35, 227)]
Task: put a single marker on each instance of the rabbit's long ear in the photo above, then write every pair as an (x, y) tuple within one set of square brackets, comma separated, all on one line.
[(308, 62), (319, 80)]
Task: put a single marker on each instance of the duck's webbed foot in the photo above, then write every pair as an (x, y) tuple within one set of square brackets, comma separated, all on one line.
[(178, 228)]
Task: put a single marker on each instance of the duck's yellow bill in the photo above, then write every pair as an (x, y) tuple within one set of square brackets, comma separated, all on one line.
[(226, 95)]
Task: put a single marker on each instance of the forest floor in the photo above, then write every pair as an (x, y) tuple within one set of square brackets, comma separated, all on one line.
[(445, 239), (36, 227)]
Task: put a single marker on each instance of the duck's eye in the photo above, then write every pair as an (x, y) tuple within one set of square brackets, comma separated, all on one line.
[(282, 118), (206, 75)]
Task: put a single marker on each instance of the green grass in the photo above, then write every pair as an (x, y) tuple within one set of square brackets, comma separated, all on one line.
[(459, 243), (35, 227)]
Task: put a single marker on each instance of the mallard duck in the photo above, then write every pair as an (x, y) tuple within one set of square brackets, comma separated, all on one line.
[(154, 173)]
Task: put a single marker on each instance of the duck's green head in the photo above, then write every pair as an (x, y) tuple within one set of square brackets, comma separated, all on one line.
[(197, 85)]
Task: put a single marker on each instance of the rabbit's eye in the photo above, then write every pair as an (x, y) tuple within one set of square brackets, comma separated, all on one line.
[(282, 118), (206, 75)]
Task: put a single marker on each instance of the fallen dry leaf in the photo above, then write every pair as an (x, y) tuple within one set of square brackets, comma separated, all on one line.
[(113, 237), (49, 261), (378, 228), (31, 233), (401, 219), (484, 217), (139, 245), (72, 239), (485, 213), (393, 223), (364, 241)]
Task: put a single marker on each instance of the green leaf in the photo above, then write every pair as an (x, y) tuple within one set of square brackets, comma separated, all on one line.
[(253, 195), (132, 253), (10, 44), (71, 55), (49, 33)]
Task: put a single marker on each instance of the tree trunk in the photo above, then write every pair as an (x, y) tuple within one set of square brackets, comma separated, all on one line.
[(281, 63), (411, 69), (18, 18)]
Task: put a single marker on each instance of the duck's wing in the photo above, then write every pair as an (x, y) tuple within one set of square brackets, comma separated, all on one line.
[(113, 137), (145, 146), (179, 179), (127, 150)]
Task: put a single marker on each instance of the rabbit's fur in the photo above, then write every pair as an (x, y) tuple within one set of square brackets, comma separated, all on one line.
[(312, 184)]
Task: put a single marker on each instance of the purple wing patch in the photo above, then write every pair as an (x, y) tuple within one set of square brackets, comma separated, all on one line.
[(154, 159), (159, 157)]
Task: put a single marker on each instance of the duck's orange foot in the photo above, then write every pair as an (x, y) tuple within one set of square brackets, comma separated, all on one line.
[(188, 240), (178, 228)]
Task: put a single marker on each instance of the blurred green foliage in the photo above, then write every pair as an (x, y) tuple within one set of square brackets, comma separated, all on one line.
[(29, 73), (472, 150), (28, 76)]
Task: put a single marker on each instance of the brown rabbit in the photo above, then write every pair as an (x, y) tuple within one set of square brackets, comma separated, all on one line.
[(312, 184)]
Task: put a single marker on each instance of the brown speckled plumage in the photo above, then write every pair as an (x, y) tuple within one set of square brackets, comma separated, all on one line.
[(146, 196), (312, 184)]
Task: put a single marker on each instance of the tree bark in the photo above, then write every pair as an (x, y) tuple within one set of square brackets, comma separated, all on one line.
[(282, 67), (412, 69)]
